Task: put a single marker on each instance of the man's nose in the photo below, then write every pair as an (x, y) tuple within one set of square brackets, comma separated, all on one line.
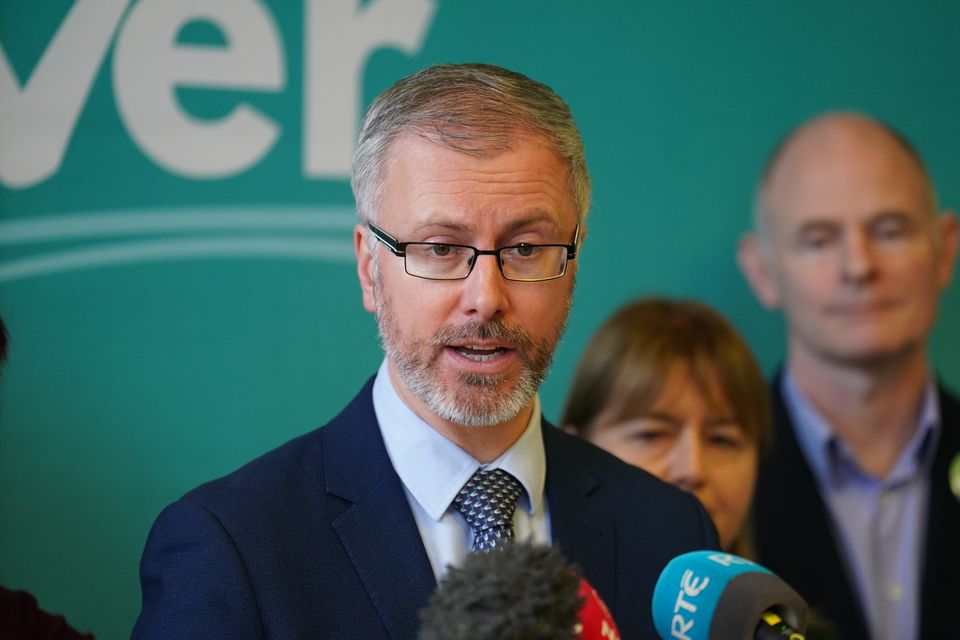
[(858, 259), (485, 290)]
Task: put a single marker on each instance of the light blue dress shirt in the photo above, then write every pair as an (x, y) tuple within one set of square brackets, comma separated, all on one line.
[(880, 522), (433, 469)]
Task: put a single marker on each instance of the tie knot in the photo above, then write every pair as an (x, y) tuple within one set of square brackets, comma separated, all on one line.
[(487, 502)]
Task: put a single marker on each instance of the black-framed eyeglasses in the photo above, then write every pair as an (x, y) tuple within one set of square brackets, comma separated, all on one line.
[(522, 262)]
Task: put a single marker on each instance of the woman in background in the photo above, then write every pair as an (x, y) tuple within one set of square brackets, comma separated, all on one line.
[(671, 387)]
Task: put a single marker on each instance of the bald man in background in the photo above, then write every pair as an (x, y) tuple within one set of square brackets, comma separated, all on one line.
[(854, 506)]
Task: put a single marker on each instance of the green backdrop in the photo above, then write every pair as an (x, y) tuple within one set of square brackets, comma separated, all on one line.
[(175, 216)]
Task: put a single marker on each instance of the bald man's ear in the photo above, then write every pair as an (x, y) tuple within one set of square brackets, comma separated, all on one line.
[(361, 247), (753, 264), (949, 238)]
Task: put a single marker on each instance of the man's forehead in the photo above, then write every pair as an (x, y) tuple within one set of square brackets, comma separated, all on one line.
[(844, 166), (838, 146), (414, 148), (509, 221), (524, 185)]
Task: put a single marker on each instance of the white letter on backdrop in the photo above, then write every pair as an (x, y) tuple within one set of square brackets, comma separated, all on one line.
[(38, 119), (339, 38), (149, 66)]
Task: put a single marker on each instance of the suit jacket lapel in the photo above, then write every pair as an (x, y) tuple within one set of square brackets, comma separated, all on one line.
[(585, 534), (794, 537), (378, 531), (942, 555)]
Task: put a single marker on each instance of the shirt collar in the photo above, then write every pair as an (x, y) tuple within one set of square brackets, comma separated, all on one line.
[(434, 469), (829, 456)]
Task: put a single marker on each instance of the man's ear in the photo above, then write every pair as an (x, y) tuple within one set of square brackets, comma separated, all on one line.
[(753, 263), (361, 247), (948, 247)]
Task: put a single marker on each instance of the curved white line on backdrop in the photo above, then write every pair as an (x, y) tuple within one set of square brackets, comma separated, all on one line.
[(176, 250), (176, 220)]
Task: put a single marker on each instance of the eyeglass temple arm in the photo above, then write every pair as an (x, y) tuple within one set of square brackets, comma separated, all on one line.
[(395, 246), (572, 250)]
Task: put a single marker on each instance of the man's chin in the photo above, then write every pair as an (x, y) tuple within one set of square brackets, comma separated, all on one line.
[(870, 355), (480, 401), (484, 380)]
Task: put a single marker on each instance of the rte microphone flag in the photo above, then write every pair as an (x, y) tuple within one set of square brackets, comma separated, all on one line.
[(710, 595), (595, 620)]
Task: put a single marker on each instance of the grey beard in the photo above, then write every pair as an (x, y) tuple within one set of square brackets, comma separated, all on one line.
[(479, 401)]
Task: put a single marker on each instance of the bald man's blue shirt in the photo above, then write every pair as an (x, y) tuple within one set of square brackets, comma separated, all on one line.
[(879, 522), (797, 537)]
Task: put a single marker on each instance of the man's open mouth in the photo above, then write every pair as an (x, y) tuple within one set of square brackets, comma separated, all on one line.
[(480, 354)]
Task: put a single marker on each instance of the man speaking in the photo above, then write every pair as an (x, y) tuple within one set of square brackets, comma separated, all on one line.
[(472, 192)]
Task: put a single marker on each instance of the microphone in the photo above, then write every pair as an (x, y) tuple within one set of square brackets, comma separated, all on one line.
[(710, 595), (596, 622), (517, 592)]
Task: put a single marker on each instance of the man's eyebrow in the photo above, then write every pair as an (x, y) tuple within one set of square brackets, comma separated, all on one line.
[(441, 224), (890, 214), (816, 225), (534, 217)]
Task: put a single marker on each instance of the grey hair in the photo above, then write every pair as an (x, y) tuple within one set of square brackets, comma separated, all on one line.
[(477, 109)]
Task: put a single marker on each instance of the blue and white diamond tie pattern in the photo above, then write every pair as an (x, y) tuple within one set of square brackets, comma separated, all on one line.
[(488, 501)]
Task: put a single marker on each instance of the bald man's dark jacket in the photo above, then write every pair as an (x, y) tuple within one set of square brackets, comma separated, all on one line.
[(317, 540), (794, 536)]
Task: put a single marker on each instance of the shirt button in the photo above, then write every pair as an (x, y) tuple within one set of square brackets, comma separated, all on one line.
[(894, 593)]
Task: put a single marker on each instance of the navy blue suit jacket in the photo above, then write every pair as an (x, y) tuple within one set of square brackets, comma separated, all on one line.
[(316, 540), (794, 536)]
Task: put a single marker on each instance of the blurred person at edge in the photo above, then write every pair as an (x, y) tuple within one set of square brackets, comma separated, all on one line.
[(854, 506), (20, 616), (472, 192), (671, 387)]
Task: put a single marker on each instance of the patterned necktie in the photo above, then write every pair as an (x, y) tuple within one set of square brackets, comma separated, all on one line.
[(488, 501)]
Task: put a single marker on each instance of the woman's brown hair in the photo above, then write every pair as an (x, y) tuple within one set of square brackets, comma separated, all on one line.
[(623, 368)]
